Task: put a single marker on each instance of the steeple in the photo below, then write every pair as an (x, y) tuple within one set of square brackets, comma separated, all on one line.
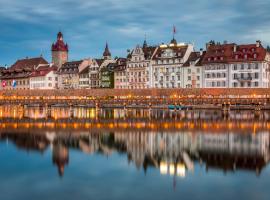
[(173, 41), (145, 43), (107, 53)]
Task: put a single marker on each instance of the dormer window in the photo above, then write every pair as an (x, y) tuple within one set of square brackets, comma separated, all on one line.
[(244, 50), (236, 57), (215, 58), (221, 58), (252, 49), (245, 56), (209, 59), (255, 56)]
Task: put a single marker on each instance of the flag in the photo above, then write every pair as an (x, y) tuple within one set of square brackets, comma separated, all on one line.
[(4, 84), (14, 83), (174, 30)]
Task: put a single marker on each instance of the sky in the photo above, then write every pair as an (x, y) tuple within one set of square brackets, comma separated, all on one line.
[(28, 27)]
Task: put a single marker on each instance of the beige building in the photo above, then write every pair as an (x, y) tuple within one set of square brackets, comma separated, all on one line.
[(138, 67), (68, 74)]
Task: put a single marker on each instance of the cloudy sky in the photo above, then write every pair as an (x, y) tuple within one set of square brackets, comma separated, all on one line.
[(28, 27)]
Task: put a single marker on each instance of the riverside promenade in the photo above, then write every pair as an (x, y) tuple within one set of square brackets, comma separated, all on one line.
[(214, 98)]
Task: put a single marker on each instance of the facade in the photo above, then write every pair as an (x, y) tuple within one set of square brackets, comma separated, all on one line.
[(44, 77), (138, 67), (94, 70), (84, 78), (59, 51), (192, 71), (18, 75), (68, 74), (107, 75), (120, 74), (167, 65), (236, 66)]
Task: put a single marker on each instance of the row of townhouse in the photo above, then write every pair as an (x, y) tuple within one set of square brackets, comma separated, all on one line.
[(173, 65)]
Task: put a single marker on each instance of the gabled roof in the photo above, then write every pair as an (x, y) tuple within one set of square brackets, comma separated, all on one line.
[(85, 70), (43, 70), (194, 57), (230, 53), (30, 63)]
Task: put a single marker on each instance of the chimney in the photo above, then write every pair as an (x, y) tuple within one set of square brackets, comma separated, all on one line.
[(234, 48), (207, 45), (258, 43), (201, 51)]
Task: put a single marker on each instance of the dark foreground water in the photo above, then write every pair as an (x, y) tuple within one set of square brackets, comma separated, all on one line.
[(82, 153)]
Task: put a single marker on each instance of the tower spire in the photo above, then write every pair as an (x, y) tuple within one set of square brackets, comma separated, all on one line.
[(107, 53), (173, 41), (144, 43)]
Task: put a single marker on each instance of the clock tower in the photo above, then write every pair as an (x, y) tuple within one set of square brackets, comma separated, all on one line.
[(59, 51)]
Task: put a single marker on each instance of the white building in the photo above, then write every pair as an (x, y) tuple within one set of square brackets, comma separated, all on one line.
[(167, 65), (44, 77), (192, 71), (236, 66)]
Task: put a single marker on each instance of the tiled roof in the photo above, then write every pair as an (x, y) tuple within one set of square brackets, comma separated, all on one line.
[(120, 64), (99, 61), (194, 57), (85, 70), (43, 71), (70, 67), (230, 53), (30, 63), (179, 51)]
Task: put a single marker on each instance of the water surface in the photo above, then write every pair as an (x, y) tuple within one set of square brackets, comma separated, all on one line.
[(83, 153)]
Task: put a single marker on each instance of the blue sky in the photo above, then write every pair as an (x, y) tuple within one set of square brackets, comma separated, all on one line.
[(28, 27)]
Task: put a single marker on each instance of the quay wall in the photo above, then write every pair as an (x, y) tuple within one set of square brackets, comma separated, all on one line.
[(133, 93)]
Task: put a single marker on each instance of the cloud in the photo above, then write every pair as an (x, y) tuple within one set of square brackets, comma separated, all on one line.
[(88, 24)]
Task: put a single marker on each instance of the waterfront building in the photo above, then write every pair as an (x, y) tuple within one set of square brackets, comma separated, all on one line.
[(59, 51), (106, 69), (192, 70), (68, 74), (233, 66), (120, 77), (44, 77), (94, 69), (138, 66), (167, 64), (18, 75), (107, 75)]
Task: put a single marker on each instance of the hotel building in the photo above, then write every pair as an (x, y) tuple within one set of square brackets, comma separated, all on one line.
[(236, 66)]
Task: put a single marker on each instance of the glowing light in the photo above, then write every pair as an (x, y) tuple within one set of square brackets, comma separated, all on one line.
[(181, 170), (163, 168)]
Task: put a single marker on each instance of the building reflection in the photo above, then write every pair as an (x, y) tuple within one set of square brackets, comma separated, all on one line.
[(174, 153)]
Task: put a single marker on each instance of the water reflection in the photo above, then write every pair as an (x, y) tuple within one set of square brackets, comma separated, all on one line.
[(171, 142)]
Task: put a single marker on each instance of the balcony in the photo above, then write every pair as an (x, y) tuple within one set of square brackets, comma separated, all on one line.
[(243, 78)]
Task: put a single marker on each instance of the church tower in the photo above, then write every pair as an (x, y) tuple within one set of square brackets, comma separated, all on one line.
[(59, 51), (107, 54)]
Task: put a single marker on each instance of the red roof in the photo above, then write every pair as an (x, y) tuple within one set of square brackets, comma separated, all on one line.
[(59, 45), (43, 70), (228, 53), (28, 63)]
